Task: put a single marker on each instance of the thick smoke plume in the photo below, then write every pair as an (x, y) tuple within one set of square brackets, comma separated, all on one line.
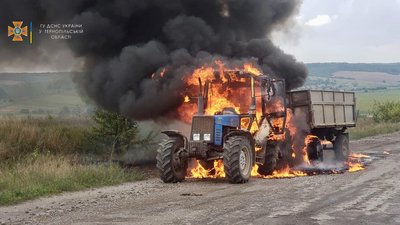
[(127, 42)]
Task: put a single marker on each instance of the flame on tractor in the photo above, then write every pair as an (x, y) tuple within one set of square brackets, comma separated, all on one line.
[(216, 101)]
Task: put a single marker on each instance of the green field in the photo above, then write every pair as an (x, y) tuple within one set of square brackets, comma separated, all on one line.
[(365, 100)]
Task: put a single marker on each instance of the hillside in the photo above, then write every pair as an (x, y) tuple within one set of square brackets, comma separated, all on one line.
[(42, 94), (359, 77), (328, 69), (39, 94), (3, 96)]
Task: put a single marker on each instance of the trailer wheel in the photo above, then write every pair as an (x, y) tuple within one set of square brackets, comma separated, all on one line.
[(314, 150), (271, 160), (171, 168), (238, 159), (341, 147)]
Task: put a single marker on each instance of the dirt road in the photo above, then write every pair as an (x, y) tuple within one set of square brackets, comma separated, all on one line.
[(371, 196)]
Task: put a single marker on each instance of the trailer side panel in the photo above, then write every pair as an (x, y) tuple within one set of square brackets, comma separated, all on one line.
[(325, 109)]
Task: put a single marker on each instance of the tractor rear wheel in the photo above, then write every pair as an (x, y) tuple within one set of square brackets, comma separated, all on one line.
[(238, 159), (172, 169), (271, 160), (341, 147)]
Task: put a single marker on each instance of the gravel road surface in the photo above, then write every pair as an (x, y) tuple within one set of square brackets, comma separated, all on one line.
[(371, 196)]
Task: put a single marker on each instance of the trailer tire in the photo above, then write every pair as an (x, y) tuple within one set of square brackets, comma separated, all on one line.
[(271, 160), (238, 159), (315, 150), (341, 147), (171, 171)]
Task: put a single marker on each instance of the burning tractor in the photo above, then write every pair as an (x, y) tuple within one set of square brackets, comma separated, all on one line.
[(260, 136)]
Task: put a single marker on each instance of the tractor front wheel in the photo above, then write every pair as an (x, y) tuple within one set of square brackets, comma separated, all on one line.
[(238, 159), (171, 167)]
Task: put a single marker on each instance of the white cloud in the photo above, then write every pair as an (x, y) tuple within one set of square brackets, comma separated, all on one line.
[(319, 20), (353, 31)]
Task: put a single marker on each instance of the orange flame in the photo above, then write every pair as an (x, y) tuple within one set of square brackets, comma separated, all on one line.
[(200, 172), (186, 99), (354, 167), (354, 162), (283, 173), (304, 152), (359, 155), (249, 68), (226, 89)]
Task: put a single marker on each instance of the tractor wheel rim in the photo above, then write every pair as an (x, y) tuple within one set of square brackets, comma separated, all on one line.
[(244, 158), (176, 163)]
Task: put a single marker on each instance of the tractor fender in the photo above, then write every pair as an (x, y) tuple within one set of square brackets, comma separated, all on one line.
[(176, 134), (244, 133)]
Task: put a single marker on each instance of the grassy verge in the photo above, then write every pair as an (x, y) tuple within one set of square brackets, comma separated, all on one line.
[(45, 175), (38, 157), (367, 127), (22, 137)]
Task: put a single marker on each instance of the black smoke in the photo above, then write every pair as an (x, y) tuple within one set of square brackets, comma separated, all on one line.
[(126, 42)]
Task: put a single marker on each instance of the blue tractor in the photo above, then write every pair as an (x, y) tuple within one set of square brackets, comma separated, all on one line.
[(222, 136)]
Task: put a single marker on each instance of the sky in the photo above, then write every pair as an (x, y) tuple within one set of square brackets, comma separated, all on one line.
[(366, 31), (356, 31)]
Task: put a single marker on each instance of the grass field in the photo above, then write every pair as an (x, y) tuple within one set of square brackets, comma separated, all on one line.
[(365, 100)]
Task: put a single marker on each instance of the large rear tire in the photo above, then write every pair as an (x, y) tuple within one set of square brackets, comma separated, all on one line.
[(238, 159), (271, 160), (341, 147), (171, 168)]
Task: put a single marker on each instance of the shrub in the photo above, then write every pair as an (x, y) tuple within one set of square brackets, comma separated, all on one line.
[(113, 130), (386, 111)]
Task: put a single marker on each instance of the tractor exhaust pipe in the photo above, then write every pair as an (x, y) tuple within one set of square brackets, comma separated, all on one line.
[(200, 100), (252, 109)]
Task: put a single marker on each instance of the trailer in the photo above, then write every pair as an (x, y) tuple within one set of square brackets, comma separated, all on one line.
[(329, 114)]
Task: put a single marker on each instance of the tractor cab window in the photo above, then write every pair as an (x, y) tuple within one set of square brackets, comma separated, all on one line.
[(228, 96), (275, 109)]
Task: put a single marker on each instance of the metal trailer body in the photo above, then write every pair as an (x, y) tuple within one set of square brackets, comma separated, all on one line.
[(324, 109), (328, 115)]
